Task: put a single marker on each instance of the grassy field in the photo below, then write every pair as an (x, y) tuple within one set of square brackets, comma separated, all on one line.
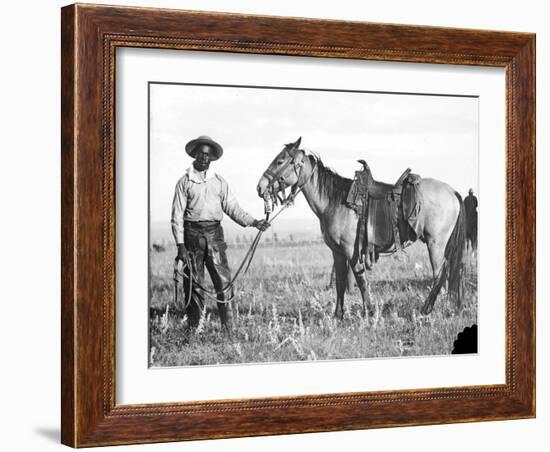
[(284, 311)]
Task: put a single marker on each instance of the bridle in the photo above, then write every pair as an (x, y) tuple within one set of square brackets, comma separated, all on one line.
[(277, 194)]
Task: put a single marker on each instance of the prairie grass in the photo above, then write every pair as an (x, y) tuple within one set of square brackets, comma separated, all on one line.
[(283, 311)]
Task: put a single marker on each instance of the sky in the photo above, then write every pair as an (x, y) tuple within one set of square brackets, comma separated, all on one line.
[(435, 136)]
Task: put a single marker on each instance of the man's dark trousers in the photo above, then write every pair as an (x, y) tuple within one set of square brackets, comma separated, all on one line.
[(205, 241)]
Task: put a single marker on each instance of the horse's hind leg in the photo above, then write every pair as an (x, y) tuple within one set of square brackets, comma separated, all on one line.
[(436, 251), (341, 267)]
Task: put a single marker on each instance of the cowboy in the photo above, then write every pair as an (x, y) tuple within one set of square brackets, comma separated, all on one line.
[(201, 198), (470, 206)]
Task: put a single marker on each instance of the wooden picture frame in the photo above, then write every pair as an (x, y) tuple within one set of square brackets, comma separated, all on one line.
[(90, 35)]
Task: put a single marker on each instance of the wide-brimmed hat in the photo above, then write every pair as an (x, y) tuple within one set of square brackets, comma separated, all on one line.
[(191, 147)]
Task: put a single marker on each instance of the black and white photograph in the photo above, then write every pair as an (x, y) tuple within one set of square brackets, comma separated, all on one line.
[(292, 224), (266, 226)]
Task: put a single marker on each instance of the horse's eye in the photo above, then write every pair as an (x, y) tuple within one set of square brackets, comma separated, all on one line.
[(280, 162)]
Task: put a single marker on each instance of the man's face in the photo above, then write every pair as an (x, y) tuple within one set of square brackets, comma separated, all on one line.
[(203, 157)]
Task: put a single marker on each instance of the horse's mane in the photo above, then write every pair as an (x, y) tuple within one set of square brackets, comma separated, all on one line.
[(330, 183)]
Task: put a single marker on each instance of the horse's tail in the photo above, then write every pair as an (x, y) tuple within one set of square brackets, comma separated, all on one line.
[(451, 269), (454, 253)]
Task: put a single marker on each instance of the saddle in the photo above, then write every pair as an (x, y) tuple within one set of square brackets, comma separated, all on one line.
[(388, 213)]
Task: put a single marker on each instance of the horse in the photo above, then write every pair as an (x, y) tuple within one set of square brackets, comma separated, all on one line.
[(442, 217)]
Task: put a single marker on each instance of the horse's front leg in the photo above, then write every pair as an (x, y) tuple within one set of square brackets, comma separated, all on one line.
[(340, 267), (368, 306)]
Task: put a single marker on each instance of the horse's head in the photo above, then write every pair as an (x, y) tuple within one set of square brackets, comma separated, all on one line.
[(284, 171)]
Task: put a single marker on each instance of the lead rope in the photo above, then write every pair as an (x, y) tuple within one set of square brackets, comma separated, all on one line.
[(187, 264)]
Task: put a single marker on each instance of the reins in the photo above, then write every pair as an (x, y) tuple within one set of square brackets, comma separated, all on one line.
[(271, 199)]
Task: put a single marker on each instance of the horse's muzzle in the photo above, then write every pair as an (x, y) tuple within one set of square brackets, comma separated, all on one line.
[(261, 188)]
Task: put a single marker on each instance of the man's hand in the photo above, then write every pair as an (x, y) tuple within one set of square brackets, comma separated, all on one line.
[(262, 225), (182, 252)]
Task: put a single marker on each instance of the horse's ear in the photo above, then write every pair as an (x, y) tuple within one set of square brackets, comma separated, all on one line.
[(298, 141)]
